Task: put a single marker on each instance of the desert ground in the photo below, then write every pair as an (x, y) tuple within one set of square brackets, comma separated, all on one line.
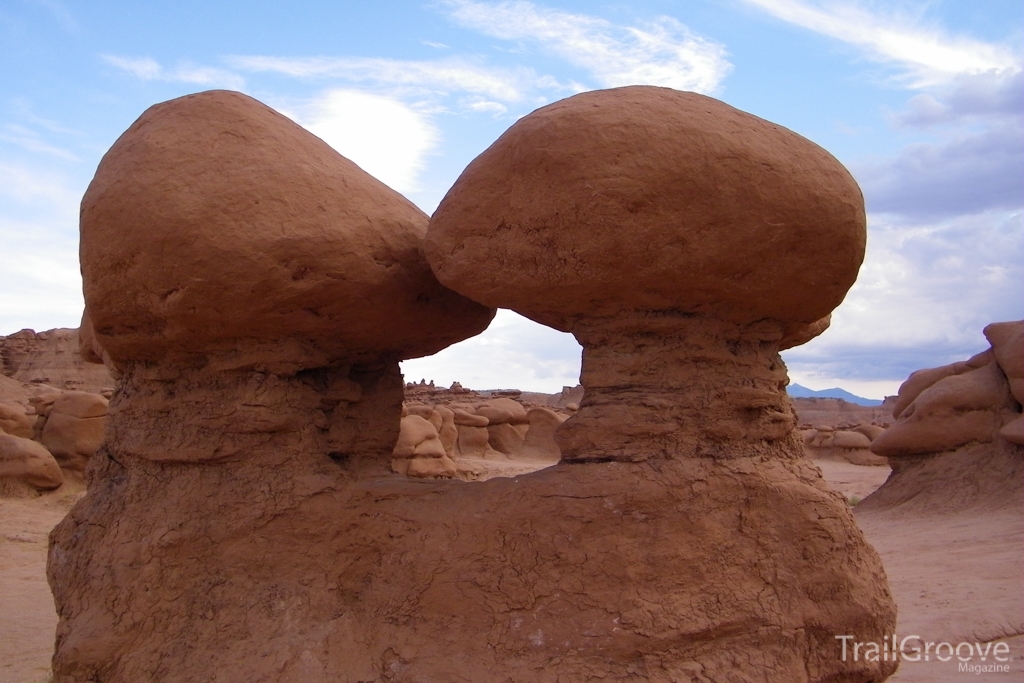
[(955, 577)]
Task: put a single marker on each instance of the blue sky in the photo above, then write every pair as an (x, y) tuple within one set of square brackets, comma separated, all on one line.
[(923, 101)]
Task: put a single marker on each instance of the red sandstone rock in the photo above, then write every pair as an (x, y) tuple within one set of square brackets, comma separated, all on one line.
[(419, 452), (682, 242), (51, 358), (267, 561), (255, 292), (961, 406), (957, 442), (14, 421), (539, 443), (25, 460)]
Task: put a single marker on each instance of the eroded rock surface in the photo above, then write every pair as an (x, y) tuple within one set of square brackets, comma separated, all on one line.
[(683, 243), (51, 358), (247, 542), (954, 443), (254, 292)]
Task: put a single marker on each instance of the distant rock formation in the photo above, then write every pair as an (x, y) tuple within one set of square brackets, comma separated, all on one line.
[(482, 437), (51, 358), (835, 412), (956, 441), (851, 445)]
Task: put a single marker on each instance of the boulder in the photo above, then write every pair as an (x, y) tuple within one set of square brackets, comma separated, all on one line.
[(14, 421), (964, 404), (25, 460), (74, 427), (539, 443), (958, 440), (419, 452)]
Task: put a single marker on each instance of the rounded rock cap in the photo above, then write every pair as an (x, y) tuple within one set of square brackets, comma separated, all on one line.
[(215, 224), (650, 199)]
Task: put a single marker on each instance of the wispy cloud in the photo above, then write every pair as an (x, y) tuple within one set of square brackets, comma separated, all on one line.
[(29, 140), (930, 55), (662, 52), (148, 69), (447, 75)]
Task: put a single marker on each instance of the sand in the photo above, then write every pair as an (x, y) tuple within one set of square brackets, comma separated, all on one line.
[(27, 615), (956, 578)]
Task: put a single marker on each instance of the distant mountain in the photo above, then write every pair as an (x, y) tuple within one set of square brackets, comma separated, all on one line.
[(797, 391)]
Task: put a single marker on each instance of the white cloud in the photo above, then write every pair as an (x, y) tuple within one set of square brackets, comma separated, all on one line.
[(446, 75), (385, 137), (148, 69), (39, 274), (513, 353), (31, 141), (924, 294), (929, 54), (663, 52), (31, 188)]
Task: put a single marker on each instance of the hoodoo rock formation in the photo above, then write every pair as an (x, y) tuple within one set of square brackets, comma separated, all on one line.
[(242, 277), (680, 251), (957, 440), (683, 243), (254, 291)]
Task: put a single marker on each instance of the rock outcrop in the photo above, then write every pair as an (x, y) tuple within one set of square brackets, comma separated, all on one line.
[(683, 243), (955, 442), (489, 436), (51, 358), (849, 444), (14, 421), (26, 461), (224, 534), (71, 426), (255, 292)]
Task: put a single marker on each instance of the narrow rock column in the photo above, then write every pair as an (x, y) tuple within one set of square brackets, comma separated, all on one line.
[(673, 386)]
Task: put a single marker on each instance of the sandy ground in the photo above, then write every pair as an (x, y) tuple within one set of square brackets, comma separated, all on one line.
[(27, 616), (956, 578)]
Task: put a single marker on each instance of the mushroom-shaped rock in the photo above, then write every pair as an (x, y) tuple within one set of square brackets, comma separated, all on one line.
[(221, 240), (506, 424), (683, 243), (271, 561), (679, 239), (255, 291)]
